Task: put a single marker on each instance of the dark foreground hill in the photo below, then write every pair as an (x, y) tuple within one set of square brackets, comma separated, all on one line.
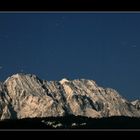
[(72, 122)]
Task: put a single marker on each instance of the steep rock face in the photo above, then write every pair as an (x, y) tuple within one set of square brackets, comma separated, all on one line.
[(25, 95), (4, 104), (30, 98), (87, 99)]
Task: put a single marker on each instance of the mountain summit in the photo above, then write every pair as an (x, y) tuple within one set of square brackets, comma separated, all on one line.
[(27, 96)]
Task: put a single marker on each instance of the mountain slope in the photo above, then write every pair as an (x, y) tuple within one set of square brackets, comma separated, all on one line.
[(27, 96), (136, 103)]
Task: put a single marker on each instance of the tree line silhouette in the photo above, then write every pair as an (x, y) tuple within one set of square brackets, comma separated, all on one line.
[(72, 122)]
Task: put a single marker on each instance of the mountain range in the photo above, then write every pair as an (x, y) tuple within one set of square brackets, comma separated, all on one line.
[(27, 96)]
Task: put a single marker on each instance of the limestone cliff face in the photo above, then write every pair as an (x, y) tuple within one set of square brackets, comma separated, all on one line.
[(4, 104), (25, 95)]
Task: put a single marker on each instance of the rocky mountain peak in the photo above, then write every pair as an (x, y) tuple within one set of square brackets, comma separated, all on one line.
[(64, 80), (26, 95)]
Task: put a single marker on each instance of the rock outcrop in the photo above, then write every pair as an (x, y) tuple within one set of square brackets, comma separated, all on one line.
[(27, 96), (136, 103)]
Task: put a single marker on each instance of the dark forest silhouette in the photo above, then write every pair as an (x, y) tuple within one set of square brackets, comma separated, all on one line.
[(72, 122)]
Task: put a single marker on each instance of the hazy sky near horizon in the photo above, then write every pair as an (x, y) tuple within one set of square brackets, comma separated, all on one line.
[(104, 47)]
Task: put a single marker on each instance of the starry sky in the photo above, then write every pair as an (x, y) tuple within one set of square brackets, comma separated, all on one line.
[(104, 47)]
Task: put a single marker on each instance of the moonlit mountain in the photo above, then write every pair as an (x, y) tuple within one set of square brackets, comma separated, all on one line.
[(27, 96)]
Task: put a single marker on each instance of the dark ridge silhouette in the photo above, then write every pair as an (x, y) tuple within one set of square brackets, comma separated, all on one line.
[(72, 122)]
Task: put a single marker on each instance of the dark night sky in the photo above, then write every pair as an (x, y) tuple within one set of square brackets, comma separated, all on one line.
[(104, 47)]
